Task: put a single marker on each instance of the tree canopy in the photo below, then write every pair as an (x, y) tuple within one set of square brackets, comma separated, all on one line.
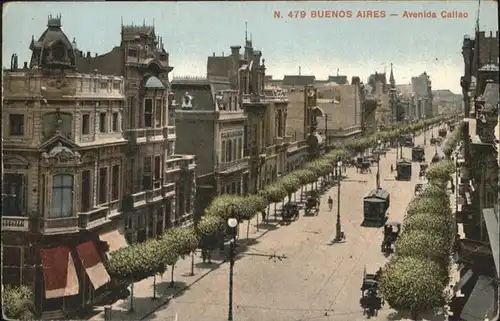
[(416, 277), (411, 284), (18, 303), (152, 256)]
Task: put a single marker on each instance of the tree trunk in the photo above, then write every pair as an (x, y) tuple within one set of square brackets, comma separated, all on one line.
[(248, 228), (275, 211), (172, 276)]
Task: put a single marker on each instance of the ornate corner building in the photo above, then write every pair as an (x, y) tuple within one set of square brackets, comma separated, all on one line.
[(89, 163)]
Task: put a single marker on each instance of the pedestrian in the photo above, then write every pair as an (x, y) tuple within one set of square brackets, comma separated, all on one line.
[(392, 168), (330, 202), (452, 188), (263, 214)]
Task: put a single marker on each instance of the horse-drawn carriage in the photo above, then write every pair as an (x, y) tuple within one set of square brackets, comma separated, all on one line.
[(419, 187), (363, 167), (312, 203), (442, 132), (370, 300), (403, 169), (375, 206), (406, 140), (423, 169), (290, 212), (418, 154), (391, 233), (436, 158)]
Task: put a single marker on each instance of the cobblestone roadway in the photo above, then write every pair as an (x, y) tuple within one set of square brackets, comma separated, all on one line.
[(317, 281)]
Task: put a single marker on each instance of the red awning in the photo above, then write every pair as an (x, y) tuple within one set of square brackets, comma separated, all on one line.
[(59, 272), (92, 262)]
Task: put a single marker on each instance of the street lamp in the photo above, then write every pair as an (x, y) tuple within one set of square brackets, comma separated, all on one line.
[(232, 223), (378, 169), (339, 235)]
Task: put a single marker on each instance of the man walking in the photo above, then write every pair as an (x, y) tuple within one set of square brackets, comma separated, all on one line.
[(330, 203)]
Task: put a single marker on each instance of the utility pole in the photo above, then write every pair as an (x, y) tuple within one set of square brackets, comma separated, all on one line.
[(326, 132), (339, 235)]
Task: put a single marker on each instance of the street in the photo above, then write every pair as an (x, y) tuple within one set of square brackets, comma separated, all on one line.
[(317, 280)]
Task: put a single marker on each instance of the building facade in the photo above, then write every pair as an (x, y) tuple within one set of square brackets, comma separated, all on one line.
[(477, 210), (89, 165), (422, 88), (210, 121)]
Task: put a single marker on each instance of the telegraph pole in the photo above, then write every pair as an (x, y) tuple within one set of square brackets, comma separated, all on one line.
[(326, 132), (339, 235)]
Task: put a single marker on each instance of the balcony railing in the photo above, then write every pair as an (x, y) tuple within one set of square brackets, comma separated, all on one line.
[(151, 133), (234, 165), (16, 223), (288, 139), (168, 188), (153, 195), (135, 135), (90, 218), (279, 140), (61, 225)]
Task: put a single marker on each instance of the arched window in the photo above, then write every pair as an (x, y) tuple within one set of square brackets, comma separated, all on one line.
[(62, 196)]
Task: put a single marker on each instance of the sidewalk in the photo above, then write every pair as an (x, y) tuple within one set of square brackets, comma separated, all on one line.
[(183, 280)]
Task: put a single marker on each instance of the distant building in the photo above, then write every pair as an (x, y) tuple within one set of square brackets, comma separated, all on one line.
[(446, 102), (422, 89)]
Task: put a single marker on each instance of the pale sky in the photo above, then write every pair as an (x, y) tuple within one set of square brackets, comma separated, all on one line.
[(192, 31)]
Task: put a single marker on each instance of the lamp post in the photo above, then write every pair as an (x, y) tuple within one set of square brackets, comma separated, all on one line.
[(378, 169), (232, 223), (425, 133), (339, 235)]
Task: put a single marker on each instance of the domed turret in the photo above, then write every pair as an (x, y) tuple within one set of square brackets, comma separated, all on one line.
[(53, 49)]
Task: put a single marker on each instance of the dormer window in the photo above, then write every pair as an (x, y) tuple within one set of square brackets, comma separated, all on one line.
[(163, 57), (58, 52), (187, 102), (132, 52)]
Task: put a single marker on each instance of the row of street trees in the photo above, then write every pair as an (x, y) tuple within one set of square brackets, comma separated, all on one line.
[(416, 278), (151, 257)]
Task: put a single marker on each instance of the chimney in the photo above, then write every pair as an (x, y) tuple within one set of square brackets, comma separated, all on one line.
[(96, 54), (235, 65), (235, 51), (213, 54), (25, 65), (88, 54)]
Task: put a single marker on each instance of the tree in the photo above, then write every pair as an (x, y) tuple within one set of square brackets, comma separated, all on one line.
[(180, 240), (291, 184), (438, 206), (425, 246), (18, 303), (275, 192), (434, 190), (412, 285), (450, 143), (440, 171), (137, 261), (426, 222), (220, 207)]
